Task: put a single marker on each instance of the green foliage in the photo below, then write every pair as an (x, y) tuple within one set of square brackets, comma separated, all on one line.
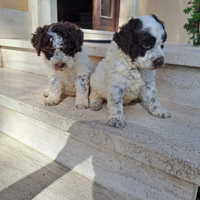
[(193, 25)]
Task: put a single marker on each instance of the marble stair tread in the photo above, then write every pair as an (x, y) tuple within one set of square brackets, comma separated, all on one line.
[(28, 174), (170, 145)]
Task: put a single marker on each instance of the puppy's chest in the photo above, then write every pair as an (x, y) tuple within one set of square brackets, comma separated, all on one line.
[(131, 79), (133, 83), (68, 81)]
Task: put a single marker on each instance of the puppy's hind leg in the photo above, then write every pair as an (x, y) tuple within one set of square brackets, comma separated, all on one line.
[(95, 101)]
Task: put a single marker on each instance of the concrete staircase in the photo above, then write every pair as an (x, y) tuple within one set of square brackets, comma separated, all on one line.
[(150, 159)]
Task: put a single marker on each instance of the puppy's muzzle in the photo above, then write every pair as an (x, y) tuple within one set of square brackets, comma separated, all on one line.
[(59, 65), (159, 62)]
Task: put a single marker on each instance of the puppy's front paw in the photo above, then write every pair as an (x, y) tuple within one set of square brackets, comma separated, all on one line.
[(82, 105), (160, 112), (51, 101), (116, 122)]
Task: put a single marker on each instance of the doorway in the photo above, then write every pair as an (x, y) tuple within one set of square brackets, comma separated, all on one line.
[(90, 14)]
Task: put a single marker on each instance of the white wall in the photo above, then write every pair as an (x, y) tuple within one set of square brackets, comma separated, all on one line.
[(15, 24)]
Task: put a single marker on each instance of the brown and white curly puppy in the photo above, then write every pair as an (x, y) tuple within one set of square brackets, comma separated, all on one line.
[(68, 65), (128, 70)]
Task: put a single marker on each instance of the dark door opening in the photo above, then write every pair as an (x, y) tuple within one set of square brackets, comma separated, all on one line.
[(78, 12), (90, 14)]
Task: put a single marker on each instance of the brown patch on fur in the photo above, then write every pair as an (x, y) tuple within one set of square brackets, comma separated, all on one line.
[(128, 34), (71, 34), (39, 37)]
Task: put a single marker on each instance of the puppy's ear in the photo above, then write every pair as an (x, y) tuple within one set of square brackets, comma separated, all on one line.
[(158, 20), (162, 24), (37, 39), (127, 34), (79, 39)]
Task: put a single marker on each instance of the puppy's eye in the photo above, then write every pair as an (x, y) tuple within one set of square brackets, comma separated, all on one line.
[(147, 46), (162, 46), (48, 55)]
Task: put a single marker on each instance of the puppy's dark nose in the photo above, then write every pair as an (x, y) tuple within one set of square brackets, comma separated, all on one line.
[(60, 65), (159, 62)]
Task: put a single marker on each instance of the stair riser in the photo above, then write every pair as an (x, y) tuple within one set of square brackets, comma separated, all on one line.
[(178, 84), (24, 60), (110, 169), (1, 59), (27, 60)]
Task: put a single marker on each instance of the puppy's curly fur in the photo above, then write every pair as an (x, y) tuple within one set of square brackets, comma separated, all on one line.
[(128, 70), (68, 66)]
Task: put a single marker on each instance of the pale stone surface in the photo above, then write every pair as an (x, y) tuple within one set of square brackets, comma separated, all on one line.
[(95, 60), (130, 178), (96, 49), (23, 60), (26, 174), (182, 54), (21, 44), (180, 85), (1, 59), (170, 145), (97, 34), (177, 54), (15, 24)]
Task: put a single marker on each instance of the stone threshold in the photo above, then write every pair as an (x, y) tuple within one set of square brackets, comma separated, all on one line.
[(169, 145), (176, 54)]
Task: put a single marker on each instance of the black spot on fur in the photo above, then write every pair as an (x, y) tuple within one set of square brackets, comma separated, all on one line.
[(119, 112), (148, 87), (71, 34), (83, 83), (120, 92), (162, 115), (116, 99), (154, 108), (153, 100)]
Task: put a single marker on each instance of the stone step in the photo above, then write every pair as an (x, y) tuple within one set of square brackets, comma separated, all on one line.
[(150, 158), (27, 174), (180, 84)]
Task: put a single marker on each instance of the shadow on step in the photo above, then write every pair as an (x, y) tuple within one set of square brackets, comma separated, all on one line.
[(33, 184)]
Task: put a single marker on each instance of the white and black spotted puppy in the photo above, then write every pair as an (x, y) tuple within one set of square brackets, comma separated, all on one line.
[(128, 70), (68, 65)]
